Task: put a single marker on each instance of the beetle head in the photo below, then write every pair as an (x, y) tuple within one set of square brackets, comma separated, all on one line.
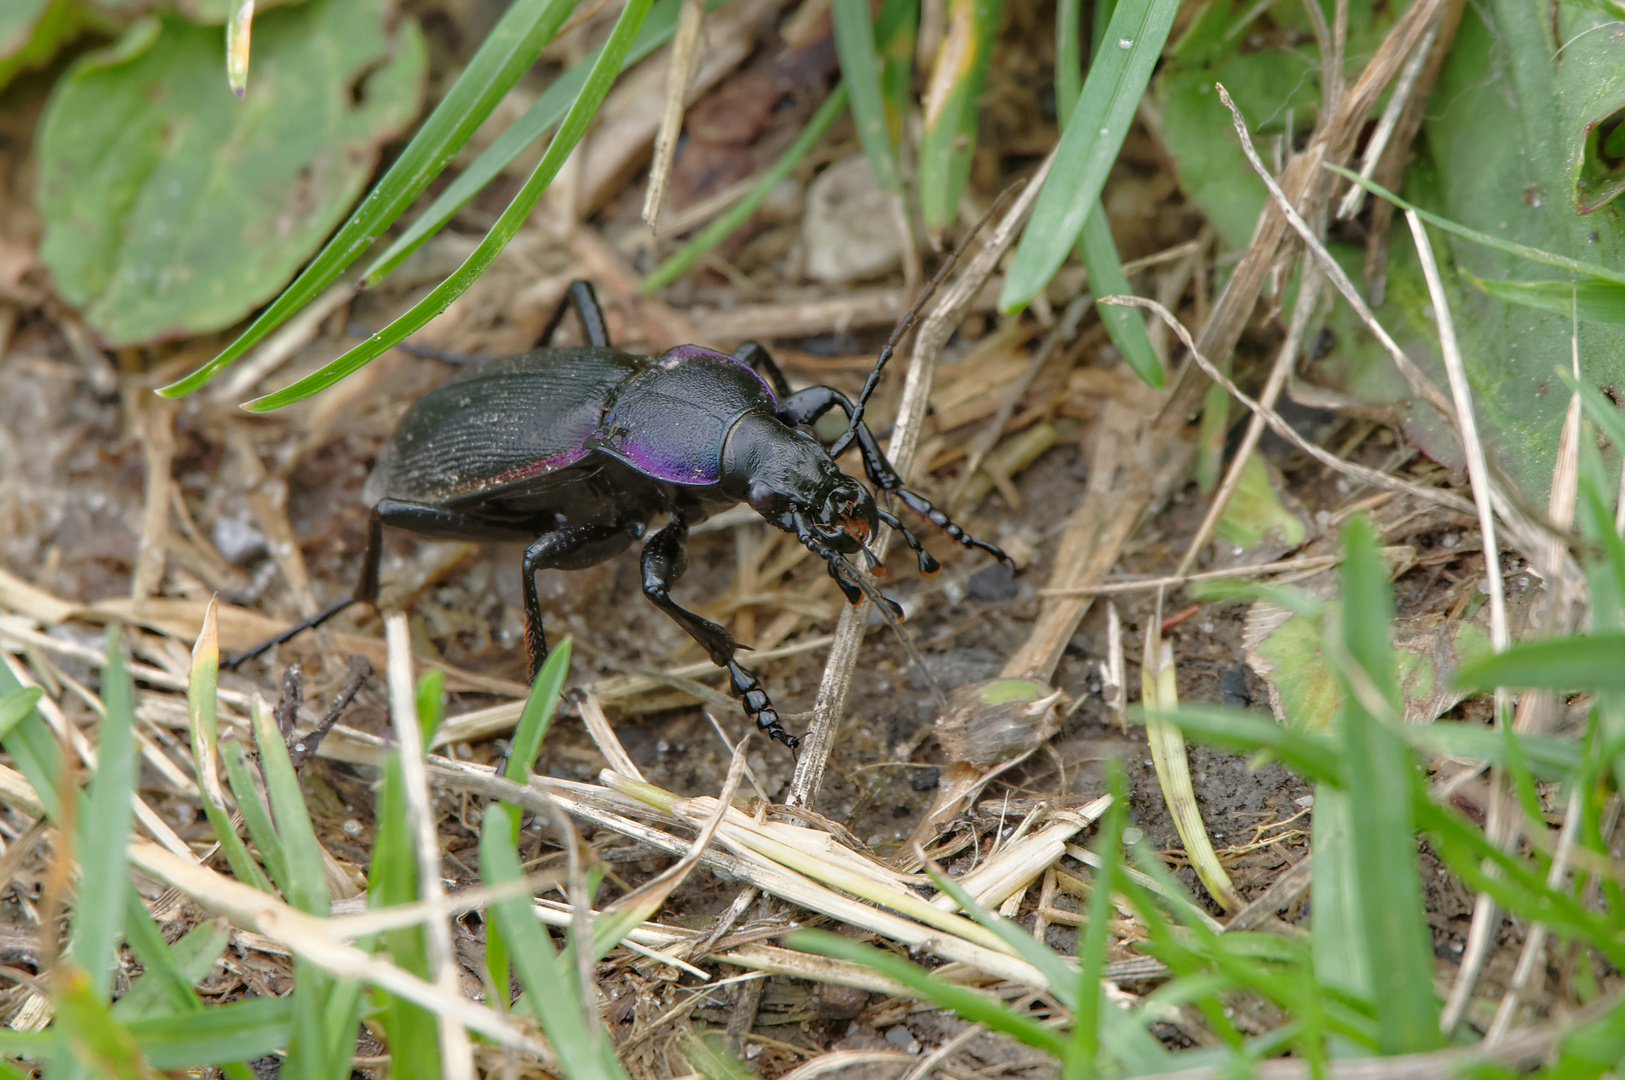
[(785, 475)]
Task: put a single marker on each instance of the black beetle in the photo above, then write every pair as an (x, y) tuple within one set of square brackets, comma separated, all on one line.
[(577, 449)]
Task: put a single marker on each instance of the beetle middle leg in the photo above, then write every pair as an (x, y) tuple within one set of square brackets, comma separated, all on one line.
[(806, 406), (664, 559), (566, 549)]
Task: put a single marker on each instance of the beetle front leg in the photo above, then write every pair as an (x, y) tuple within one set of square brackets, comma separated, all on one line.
[(664, 560), (806, 406)]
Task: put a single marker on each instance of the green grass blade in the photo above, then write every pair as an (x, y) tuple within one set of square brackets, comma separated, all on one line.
[(1097, 249), (104, 832), (948, 140), (16, 706), (171, 970), (1548, 757), (897, 28), (1315, 758), (1533, 254), (393, 879), (537, 121), (570, 131), (1382, 778), (1061, 976), (964, 1002), (1084, 1060), (1124, 325), (1604, 413), (1566, 663), (1088, 145), (431, 702), (306, 884), (537, 715), (1588, 300), (256, 816), (860, 71), (737, 214), (235, 1031), (505, 55), (34, 749), (551, 992)]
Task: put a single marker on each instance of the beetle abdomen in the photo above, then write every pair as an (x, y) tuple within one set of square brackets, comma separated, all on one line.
[(507, 423)]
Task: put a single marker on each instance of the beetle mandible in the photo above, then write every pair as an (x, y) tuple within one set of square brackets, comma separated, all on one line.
[(575, 450)]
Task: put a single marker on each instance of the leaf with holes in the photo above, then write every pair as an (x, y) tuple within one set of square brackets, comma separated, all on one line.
[(170, 207)]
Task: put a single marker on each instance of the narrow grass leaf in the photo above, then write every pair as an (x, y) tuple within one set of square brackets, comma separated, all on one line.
[(236, 1031), (552, 993), (948, 141), (256, 816), (564, 141), (1566, 663), (171, 970), (1096, 247), (1382, 778), (897, 28), (1533, 254), (860, 72), (1603, 412), (34, 749), (1588, 300), (16, 705), (967, 1004), (1089, 145), (1061, 976), (306, 884), (506, 54), (535, 122), (82, 1018), (393, 879), (1084, 1059), (1517, 885), (1315, 758), (1546, 756), (104, 831), (431, 702), (1124, 325), (737, 214), (202, 725), (537, 715)]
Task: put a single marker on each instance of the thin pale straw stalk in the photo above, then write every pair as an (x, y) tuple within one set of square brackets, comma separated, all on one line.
[(456, 1052)]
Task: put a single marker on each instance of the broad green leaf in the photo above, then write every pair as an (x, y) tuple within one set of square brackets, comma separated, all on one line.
[(505, 55), (570, 131), (1508, 202), (951, 106), (1088, 146), (860, 72), (538, 120), (171, 208), (1255, 512), (1589, 300), (171, 970), (31, 32)]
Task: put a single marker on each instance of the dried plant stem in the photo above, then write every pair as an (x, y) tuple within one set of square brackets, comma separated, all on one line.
[(681, 68), (456, 1052), (944, 318)]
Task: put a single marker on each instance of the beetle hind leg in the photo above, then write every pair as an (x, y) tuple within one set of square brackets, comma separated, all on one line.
[(664, 560)]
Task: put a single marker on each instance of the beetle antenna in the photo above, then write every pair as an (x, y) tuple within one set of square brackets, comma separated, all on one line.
[(903, 327), (889, 609)]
